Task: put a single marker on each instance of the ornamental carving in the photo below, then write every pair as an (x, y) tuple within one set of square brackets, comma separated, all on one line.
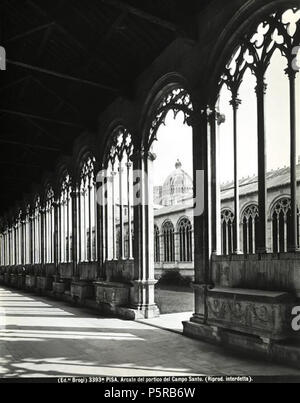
[(280, 30), (177, 100)]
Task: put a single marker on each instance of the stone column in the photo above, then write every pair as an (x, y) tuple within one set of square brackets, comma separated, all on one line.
[(113, 215), (199, 123), (215, 120), (75, 194), (101, 202), (56, 254), (129, 193), (90, 250), (109, 220), (235, 102), (42, 229), (121, 213), (67, 240), (262, 187), (293, 238), (142, 298), (177, 247), (9, 247), (24, 243)]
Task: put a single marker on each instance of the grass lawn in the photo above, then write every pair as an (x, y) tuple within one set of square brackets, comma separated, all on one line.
[(172, 299)]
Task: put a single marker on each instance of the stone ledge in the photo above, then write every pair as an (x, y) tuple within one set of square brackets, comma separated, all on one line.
[(286, 352)]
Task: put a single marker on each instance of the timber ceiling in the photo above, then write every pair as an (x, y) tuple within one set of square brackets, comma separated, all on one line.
[(67, 60)]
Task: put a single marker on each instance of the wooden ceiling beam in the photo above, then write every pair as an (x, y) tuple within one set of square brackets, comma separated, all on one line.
[(30, 32), (61, 75), (142, 14), (42, 118), (27, 145)]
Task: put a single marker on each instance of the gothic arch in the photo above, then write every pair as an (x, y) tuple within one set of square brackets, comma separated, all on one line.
[(84, 148), (244, 21), (168, 236), (273, 204), (161, 99)]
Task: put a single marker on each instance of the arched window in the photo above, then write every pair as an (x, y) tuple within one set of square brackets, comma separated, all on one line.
[(65, 221), (49, 227), (185, 240), (169, 242), (249, 221), (281, 225), (117, 211), (257, 84), (227, 221), (176, 100), (87, 211), (156, 244)]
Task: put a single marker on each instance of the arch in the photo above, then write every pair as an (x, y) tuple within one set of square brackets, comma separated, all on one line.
[(249, 218), (184, 229), (65, 218), (117, 190), (281, 224), (240, 25), (49, 224), (168, 234), (63, 169), (274, 202), (119, 143), (172, 98), (84, 148), (87, 208), (227, 221)]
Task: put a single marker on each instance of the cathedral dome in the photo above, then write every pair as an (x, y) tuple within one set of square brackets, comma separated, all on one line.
[(177, 186)]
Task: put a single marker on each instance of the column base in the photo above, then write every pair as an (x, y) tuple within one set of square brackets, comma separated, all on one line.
[(146, 311), (261, 251), (294, 249), (118, 299)]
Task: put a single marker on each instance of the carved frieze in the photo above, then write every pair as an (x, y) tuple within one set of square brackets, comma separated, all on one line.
[(247, 311)]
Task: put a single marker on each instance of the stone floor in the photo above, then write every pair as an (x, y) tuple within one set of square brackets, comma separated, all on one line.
[(42, 338)]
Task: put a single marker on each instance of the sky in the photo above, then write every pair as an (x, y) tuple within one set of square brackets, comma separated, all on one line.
[(175, 138), (174, 142)]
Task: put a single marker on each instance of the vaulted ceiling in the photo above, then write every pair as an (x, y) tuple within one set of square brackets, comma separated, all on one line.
[(67, 60)]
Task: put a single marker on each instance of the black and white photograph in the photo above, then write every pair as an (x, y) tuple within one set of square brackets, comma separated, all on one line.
[(149, 194)]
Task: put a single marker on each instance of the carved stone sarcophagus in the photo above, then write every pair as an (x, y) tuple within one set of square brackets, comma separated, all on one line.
[(112, 294), (265, 314)]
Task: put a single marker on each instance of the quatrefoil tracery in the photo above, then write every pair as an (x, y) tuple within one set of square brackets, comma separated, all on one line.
[(178, 100), (280, 31)]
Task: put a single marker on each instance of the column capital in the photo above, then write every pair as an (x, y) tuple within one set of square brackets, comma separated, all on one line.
[(213, 114), (196, 118), (235, 102), (291, 72), (74, 193), (261, 86)]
